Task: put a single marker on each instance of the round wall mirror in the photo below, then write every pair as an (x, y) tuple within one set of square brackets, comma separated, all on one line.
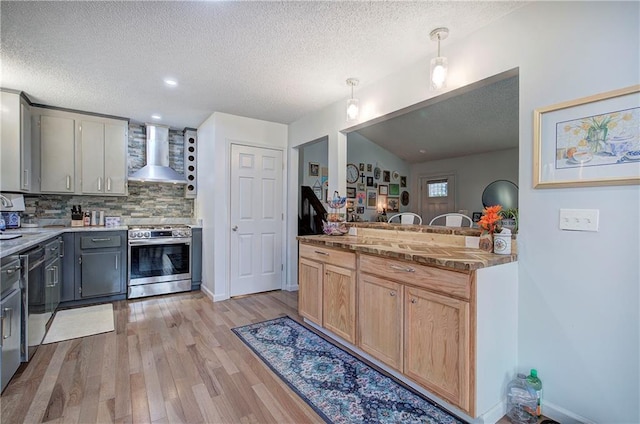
[(501, 192)]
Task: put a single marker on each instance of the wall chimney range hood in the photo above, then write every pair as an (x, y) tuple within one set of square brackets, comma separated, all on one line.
[(157, 169)]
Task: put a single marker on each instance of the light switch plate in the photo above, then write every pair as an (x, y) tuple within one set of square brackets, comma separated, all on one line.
[(579, 219)]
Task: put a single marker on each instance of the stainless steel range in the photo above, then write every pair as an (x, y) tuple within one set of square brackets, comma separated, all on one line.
[(159, 260)]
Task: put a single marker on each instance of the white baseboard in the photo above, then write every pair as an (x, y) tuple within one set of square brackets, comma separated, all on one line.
[(207, 292), (562, 415), (291, 287)]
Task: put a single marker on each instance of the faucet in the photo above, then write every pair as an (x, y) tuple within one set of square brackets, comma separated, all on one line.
[(6, 202)]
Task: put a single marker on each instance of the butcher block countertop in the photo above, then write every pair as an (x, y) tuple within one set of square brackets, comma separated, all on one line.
[(440, 248)]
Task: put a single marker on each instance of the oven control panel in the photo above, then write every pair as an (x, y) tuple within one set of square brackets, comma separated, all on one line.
[(141, 234)]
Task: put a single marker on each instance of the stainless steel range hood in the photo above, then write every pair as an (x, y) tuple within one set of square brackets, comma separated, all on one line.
[(157, 168)]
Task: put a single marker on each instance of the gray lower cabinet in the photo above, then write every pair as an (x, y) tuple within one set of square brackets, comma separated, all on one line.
[(98, 265), (196, 258)]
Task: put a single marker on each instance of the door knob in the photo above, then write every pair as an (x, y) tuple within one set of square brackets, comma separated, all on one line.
[(234, 228)]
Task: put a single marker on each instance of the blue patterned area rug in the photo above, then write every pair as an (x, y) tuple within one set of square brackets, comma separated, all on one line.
[(338, 386)]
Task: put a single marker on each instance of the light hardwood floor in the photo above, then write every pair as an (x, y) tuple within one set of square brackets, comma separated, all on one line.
[(170, 359)]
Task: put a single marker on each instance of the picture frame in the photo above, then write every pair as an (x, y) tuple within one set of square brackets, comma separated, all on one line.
[(394, 190), (393, 204), (386, 176), (369, 181), (361, 187), (314, 169), (475, 216), (361, 167), (587, 142), (372, 198), (351, 192), (369, 167), (403, 181), (360, 210), (383, 190)]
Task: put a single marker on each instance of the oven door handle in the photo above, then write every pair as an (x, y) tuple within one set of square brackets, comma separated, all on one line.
[(147, 242)]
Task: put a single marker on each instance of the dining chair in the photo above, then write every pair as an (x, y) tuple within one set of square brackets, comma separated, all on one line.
[(407, 218), (452, 219)]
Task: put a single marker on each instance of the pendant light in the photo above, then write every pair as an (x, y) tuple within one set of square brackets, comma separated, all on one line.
[(352, 103), (439, 64)]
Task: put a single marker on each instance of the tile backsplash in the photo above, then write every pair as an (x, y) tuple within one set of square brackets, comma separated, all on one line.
[(145, 200)]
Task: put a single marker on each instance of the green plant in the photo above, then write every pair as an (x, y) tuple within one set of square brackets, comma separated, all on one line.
[(511, 213)]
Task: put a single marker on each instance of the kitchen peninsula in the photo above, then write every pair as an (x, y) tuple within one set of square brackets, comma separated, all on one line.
[(420, 303)]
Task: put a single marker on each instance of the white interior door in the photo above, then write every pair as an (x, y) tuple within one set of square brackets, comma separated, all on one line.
[(256, 220), (437, 196)]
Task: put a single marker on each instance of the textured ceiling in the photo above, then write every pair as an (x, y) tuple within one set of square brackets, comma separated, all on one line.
[(479, 120), (275, 61)]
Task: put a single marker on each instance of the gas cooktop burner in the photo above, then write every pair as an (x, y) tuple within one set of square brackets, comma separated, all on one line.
[(159, 231)]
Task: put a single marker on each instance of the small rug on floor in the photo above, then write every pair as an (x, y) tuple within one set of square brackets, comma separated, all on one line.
[(80, 322), (337, 385)]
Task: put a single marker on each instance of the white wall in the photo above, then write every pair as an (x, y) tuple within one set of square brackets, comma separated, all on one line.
[(579, 298), (362, 150), (215, 137), (472, 173)]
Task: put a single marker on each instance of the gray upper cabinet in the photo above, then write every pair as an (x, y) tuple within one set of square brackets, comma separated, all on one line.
[(104, 157), (15, 143), (57, 154), (80, 153)]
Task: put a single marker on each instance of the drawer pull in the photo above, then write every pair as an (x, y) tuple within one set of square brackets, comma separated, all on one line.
[(321, 253), (414, 301), (8, 312), (392, 293), (402, 268), (100, 239)]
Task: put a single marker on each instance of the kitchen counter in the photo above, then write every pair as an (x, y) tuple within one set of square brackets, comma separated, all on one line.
[(32, 236), (432, 254)]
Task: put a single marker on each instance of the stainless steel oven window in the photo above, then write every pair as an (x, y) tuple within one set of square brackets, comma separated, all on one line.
[(153, 261)]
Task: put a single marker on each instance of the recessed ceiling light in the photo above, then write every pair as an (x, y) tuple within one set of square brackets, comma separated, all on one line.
[(156, 117), (170, 82), (422, 151)]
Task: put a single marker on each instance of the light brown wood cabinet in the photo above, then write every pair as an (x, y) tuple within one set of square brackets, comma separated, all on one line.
[(416, 319), (327, 289), (451, 332), (380, 319), (436, 344)]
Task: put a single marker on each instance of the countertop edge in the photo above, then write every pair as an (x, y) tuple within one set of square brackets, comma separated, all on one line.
[(478, 260)]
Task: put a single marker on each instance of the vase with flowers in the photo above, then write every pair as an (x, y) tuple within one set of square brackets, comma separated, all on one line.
[(490, 222)]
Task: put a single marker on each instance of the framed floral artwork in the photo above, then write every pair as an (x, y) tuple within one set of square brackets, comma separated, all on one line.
[(394, 190), (592, 141), (383, 190)]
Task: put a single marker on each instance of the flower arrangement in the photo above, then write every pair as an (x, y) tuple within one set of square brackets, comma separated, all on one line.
[(595, 129), (491, 219)]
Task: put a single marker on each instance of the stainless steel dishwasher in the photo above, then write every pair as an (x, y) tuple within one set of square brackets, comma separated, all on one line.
[(10, 317), (37, 315)]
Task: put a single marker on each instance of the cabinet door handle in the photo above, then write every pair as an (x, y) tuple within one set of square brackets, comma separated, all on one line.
[(68, 182), (116, 261), (99, 183), (25, 183), (62, 248), (392, 293), (100, 239), (321, 253), (402, 268), (56, 275), (7, 312), (108, 183)]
